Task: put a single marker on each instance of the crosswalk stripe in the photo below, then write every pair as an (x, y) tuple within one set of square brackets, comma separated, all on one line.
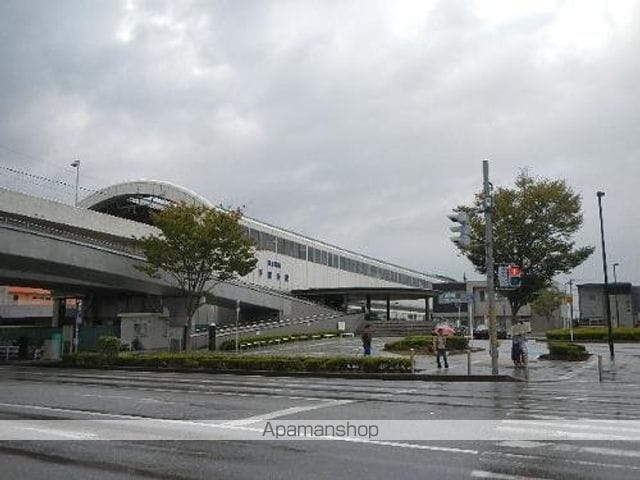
[(531, 458), (571, 448), (502, 476)]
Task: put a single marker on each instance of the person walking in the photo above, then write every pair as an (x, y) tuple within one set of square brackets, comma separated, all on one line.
[(516, 350), (366, 337), (519, 351), (524, 352), (440, 346)]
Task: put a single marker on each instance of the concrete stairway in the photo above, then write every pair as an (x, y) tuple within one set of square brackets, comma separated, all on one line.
[(400, 328)]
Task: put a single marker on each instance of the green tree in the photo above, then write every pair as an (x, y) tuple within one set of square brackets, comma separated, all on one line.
[(547, 301), (533, 226), (199, 247)]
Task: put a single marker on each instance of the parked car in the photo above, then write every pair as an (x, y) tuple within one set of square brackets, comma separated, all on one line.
[(481, 332)]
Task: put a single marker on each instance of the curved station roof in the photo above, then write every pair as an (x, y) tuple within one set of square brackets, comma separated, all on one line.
[(137, 200)]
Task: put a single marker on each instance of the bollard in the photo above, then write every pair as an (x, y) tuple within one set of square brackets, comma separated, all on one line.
[(468, 362), (212, 336), (412, 360), (599, 363)]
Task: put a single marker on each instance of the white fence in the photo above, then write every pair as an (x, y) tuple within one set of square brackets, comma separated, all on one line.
[(8, 352)]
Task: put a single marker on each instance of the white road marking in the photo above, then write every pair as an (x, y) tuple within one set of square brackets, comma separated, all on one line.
[(522, 444), (569, 448), (68, 410), (229, 426), (588, 463), (287, 411), (124, 397), (63, 434), (502, 476)]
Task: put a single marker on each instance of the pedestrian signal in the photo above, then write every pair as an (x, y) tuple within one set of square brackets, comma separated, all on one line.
[(514, 274)]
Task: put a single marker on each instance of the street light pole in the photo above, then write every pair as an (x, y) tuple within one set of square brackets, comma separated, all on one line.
[(571, 308), (615, 281), (237, 321), (607, 304), (488, 207), (76, 165)]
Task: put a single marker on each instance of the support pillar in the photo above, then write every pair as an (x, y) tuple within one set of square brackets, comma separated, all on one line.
[(426, 309), (58, 314), (388, 309), (345, 304)]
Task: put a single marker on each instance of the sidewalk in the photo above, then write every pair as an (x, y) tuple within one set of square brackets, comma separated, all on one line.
[(625, 368)]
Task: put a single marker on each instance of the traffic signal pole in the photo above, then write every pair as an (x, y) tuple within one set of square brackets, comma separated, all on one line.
[(488, 207)]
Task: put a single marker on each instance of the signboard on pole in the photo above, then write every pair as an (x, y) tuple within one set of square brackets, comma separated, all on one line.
[(452, 297), (503, 275)]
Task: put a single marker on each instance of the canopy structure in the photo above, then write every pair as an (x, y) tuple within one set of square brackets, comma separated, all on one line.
[(343, 297)]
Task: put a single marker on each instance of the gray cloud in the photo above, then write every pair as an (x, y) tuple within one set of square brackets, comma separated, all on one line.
[(360, 123)]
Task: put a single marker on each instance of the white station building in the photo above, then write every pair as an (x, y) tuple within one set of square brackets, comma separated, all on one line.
[(287, 261)]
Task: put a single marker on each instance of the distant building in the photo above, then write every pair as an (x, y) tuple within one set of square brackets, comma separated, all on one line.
[(24, 296), (458, 298), (624, 303), (25, 306)]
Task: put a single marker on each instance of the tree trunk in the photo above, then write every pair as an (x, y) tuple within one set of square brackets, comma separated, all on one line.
[(515, 308)]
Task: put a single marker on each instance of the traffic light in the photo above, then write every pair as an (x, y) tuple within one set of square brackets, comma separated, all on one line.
[(463, 239), (514, 273)]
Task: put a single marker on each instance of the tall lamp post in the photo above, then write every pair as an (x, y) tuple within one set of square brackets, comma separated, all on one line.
[(76, 165), (488, 207), (237, 322), (615, 281), (607, 305)]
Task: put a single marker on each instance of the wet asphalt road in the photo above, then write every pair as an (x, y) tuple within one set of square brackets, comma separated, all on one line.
[(32, 393)]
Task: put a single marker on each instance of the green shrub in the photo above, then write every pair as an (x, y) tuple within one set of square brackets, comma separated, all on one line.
[(84, 359), (568, 351), (194, 361), (108, 347), (595, 334), (424, 343)]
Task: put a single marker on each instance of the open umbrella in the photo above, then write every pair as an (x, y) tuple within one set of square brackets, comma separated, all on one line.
[(446, 330)]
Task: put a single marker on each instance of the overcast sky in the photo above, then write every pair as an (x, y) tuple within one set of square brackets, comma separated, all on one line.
[(361, 123)]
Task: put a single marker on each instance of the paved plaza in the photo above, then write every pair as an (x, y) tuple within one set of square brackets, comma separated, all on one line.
[(623, 369)]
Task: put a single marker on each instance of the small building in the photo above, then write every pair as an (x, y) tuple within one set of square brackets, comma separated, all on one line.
[(624, 302), (149, 331)]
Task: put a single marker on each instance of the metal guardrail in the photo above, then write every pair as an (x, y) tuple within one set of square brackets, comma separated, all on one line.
[(8, 351), (50, 230), (229, 330), (124, 247)]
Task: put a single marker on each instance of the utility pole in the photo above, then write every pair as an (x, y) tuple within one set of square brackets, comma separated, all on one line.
[(488, 207), (571, 308), (615, 281), (76, 165), (237, 322), (607, 304)]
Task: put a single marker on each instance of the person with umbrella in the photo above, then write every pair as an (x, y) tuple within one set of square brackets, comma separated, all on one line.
[(367, 337), (440, 346)]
